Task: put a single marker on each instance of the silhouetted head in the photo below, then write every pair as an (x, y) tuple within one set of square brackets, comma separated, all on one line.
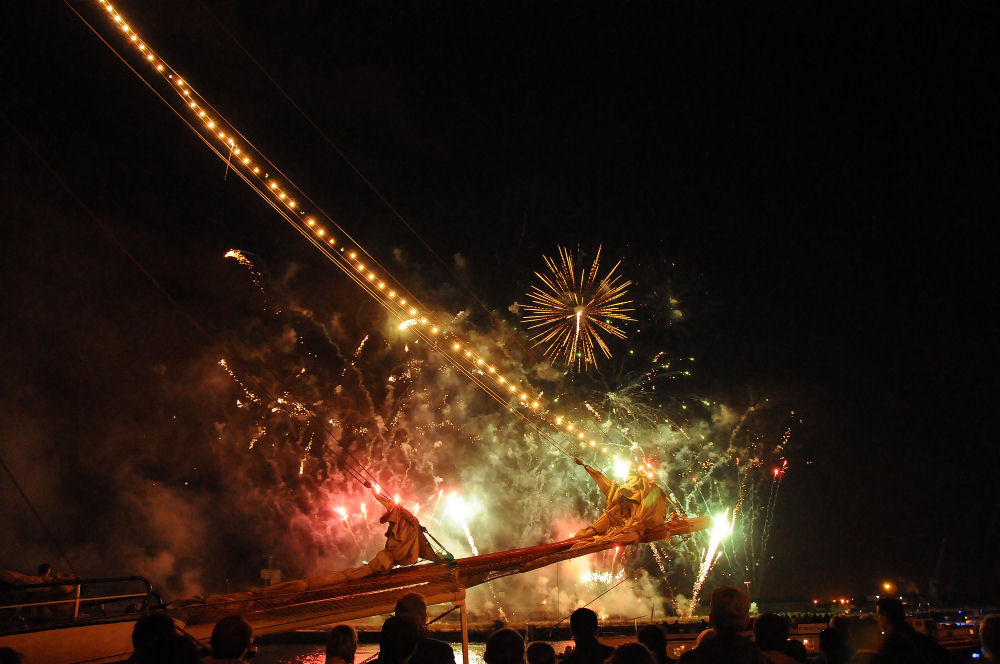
[(231, 637), (770, 631), (412, 606), (797, 651), (729, 609), (864, 634), (891, 612), (151, 628), (989, 636), (831, 642), (342, 642), (632, 653), (10, 656), (176, 649), (653, 638), (583, 623), (397, 640), (541, 652), (505, 646)]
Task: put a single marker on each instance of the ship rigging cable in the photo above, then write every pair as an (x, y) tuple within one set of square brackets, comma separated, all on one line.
[(270, 183)]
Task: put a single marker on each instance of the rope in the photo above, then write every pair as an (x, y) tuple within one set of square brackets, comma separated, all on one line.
[(38, 516)]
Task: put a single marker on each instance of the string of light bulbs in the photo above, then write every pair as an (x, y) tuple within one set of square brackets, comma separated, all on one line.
[(309, 219)]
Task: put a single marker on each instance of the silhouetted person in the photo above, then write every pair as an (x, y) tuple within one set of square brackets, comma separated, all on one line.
[(770, 633), (902, 643), (505, 646), (398, 640), (865, 638), (10, 656), (797, 651), (177, 649), (149, 629), (653, 638), (586, 648), (842, 625), (729, 614), (541, 652), (632, 653), (831, 646), (231, 638), (412, 607), (989, 637), (341, 645)]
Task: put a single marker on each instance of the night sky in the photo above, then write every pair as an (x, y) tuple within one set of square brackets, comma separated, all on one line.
[(816, 186)]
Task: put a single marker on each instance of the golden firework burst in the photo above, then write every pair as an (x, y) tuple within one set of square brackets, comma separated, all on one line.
[(571, 312)]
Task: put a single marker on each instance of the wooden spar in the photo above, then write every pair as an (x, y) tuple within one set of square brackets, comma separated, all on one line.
[(310, 605)]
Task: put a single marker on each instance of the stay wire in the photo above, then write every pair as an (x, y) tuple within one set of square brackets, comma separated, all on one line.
[(38, 516), (201, 330), (357, 171)]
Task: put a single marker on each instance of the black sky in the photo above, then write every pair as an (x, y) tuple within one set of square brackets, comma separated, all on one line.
[(820, 181)]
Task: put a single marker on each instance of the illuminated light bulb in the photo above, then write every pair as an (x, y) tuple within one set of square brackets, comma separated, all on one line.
[(211, 125), (192, 104), (371, 276), (524, 397), (352, 255), (402, 302), (392, 293), (256, 169), (480, 362), (321, 232), (423, 321), (180, 82), (580, 435), (361, 268), (187, 93), (282, 196), (332, 241), (125, 27), (222, 134), (413, 312), (454, 346), (236, 151), (502, 380), (513, 389), (534, 404), (142, 47), (593, 443), (246, 160), (492, 370), (118, 19), (291, 203), (201, 114), (381, 285), (434, 330), (604, 450), (468, 353), (134, 37), (274, 185), (569, 427), (231, 142), (311, 221), (559, 419), (159, 67), (150, 57)]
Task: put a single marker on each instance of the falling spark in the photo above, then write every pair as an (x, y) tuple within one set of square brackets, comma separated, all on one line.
[(722, 528), (255, 276), (572, 311)]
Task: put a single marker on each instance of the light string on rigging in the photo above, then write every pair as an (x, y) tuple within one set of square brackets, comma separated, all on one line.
[(278, 190)]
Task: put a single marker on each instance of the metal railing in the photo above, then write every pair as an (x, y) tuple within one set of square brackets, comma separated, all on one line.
[(78, 597)]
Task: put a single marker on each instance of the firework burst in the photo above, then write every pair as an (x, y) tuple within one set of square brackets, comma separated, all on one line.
[(571, 311)]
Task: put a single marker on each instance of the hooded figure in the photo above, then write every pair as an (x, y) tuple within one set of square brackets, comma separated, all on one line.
[(635, 506), (405, 542)]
